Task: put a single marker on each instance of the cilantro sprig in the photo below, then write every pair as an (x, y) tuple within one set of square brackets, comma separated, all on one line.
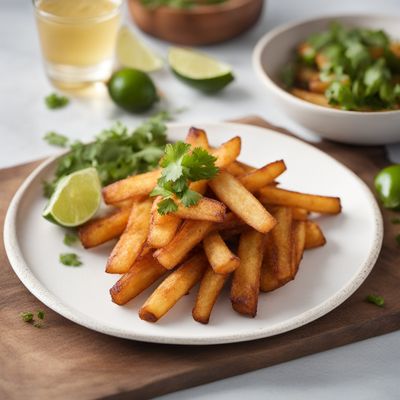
[(181, 166), (116, 153)]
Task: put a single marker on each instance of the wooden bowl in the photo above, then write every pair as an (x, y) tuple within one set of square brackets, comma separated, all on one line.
[(198, 26)]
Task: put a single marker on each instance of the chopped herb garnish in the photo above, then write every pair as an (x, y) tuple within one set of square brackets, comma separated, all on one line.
[(70, 239), (116, 153), (37, 325), (70, 259), (27, 316), (360, 67), (40, 314), (395, 220), (375, 299), (56, 139), (180, 167), (55, 100)]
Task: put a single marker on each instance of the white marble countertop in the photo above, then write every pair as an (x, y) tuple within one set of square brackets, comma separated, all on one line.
[(365, 370)]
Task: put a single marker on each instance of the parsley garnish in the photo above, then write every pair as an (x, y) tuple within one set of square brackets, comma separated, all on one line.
[(70, 259), (29, 318), (56, 139), (116, 153), (375, 299), (180, 167), (55, 100), (70, 239)]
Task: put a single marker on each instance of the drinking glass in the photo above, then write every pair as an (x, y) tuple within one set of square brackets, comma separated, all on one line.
[(77, 38)]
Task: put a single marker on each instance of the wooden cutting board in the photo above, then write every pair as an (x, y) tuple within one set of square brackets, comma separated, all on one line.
[(67, 361)]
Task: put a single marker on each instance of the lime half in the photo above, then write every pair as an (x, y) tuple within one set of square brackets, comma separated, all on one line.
[(199, 70), (131, 52), (76, 199)]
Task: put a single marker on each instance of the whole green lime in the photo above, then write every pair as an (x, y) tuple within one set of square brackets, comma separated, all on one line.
[(132, 90)]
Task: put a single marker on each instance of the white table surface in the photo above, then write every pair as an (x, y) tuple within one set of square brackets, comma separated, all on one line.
[(365, 370)]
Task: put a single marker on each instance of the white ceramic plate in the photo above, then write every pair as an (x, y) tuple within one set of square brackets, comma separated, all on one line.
[(327, 276)]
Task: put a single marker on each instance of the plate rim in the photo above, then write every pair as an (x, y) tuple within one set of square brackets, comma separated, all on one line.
[(30, 281)]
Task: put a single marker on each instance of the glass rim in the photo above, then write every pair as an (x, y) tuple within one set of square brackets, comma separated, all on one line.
[(76, 20)]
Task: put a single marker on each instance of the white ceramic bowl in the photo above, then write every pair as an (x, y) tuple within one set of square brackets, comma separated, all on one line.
[(276, 48)]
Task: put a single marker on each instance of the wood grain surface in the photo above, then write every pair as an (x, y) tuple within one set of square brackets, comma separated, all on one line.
[(66, 361)]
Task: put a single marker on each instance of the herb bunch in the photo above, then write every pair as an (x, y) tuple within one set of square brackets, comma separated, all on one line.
[(115, 153), (181, 166)]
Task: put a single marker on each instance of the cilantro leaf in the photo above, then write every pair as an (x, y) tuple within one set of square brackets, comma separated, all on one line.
[(172, 160), (70, 239), (180, 167), (56, 139), (55, 100), (70, 259), (199, 165), (40, 314), (190, 198), (166, 206)]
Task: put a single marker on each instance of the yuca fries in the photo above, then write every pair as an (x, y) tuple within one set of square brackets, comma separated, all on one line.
[(220, 257), (269, 229), (132, 241), (231, 192), (175, 286), (209, 290), (310, 202), (246, 278), (143, 273)]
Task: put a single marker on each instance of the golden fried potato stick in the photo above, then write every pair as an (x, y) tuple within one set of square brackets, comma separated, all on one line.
[(299, 241), (314, 235), (133, 186), (190, 234), (231, 192), (162, 227), (264, 176), (197, 138), (220, 257), (310, 202), (268, 278), (132, 241), (228, 152), (175, 286), (282, 239), (246, 279), (299, 214), (209, 290), (144, 272), (205, 210), (101, 230)]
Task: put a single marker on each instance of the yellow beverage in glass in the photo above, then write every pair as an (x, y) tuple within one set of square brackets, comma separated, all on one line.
[(78, 39)]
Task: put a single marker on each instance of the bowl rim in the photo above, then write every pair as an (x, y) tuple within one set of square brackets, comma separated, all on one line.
[(225, 7), (270, 83)]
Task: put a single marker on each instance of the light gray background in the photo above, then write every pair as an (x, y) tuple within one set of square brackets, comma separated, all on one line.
[(365, 370)]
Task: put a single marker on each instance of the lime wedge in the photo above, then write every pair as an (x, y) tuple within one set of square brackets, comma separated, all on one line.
[(131, 52), (75, 200), (199, 70)]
